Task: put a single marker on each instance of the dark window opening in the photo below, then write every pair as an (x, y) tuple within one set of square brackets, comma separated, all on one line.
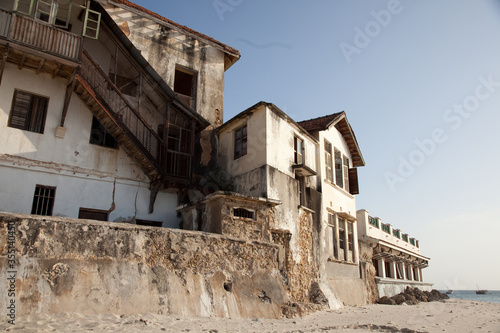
[(245, 213), (240, 142), (388, 269), (100, 136), (375, 264), (93, 214), (43, 200), (185, 86), (28, 112), (149, 223)]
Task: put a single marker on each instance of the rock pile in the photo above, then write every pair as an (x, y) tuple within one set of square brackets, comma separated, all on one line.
[(412, 296)]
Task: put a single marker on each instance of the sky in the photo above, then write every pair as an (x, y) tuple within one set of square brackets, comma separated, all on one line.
[(420, 83)]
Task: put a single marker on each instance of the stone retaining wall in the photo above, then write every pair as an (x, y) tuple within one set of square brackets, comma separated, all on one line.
[(69, 265)]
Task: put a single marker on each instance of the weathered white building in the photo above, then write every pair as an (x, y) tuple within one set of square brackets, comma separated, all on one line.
[(395, 255), (268, 155), (338, 157), (90, 127)]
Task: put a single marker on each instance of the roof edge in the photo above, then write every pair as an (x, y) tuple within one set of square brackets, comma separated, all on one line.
[(163, 20)]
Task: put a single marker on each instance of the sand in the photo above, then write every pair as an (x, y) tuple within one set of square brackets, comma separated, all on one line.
[(452, 315)]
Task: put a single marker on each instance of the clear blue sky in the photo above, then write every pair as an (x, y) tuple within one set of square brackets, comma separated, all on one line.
[(420, 82)]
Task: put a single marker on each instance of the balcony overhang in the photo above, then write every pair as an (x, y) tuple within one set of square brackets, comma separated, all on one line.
[(344, 215), (303, 170), (35, 45)]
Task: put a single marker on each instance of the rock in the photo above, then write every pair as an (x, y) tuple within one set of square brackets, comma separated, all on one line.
[(413, 296), (386, 300), (400, 298)]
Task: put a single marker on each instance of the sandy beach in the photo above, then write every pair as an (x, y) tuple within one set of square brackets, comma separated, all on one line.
[(452, 315)]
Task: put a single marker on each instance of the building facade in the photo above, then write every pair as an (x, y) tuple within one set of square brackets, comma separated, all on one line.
[(90, 128), (395, 256)]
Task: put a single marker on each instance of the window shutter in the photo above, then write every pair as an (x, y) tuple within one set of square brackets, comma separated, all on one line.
[(353, 181), (91, 24), (20, 114), (24, 7)]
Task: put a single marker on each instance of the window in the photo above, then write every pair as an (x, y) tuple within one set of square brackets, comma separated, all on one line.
[(179, 136), (331, 223), (240, 142), (338, 168), (55, 12), (93, 214), (185, 86), (245, 213), (302, 189), (350, 237), (149, 223), (100, 136), (328, 161), (43, 200), (341, 234), (28, 112), (346, 173), (298, 150)]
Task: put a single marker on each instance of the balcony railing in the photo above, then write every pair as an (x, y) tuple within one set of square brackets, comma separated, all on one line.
[(40, 36), (405, 237), (171, 163), (386, 228), (373, 222)]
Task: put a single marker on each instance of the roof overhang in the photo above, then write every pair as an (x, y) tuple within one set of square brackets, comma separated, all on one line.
[(342, 125), (231, 54)]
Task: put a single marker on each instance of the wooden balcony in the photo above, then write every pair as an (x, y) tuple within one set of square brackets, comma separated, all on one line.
[(37, 45)]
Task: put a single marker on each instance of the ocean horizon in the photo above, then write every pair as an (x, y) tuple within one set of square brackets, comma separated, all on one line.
[(493, 296)]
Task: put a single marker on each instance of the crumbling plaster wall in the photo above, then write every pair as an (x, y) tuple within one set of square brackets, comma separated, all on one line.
[(369, 271), (165, 48), (66, 265)]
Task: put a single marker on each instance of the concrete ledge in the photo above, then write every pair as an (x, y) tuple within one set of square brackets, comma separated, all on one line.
[(391, 287)]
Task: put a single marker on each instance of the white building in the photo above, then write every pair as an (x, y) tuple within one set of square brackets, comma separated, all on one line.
[(396, 256), (90, 128), (309, 168), (338, 157)]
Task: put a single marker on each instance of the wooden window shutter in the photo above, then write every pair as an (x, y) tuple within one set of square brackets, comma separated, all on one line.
[(353, 181)]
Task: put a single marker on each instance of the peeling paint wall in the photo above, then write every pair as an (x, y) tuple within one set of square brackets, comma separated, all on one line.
[(67, 265)]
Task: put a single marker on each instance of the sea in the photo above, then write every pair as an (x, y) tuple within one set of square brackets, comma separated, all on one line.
[(493, 296)]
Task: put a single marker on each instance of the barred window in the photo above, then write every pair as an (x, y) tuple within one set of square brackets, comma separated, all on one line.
[(245, 213), (43, 200)]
